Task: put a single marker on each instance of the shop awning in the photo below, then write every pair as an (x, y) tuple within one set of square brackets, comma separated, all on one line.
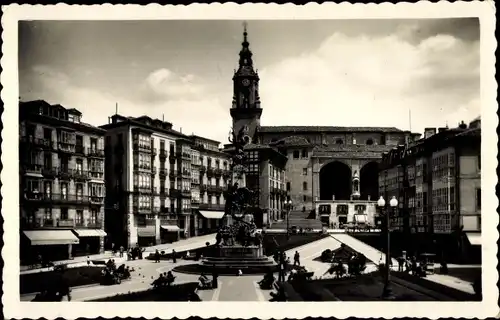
[(360, 218), (146, 231), (212, 214), (90, 232), (51, 237), (474, 238), (171, 227)]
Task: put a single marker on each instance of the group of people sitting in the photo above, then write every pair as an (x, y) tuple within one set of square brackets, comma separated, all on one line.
[(113, 275), (164, 280), (267, 282)]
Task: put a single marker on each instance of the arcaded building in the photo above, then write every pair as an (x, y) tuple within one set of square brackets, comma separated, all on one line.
[(62, 189), (437, 180)]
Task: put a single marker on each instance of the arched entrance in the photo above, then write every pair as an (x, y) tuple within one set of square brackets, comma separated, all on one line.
[(368, 177), (335, 179)]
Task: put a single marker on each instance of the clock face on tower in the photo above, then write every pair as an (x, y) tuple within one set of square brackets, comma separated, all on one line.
[(245, 82)]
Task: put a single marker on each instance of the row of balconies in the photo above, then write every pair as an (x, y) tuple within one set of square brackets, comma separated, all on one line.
[(34, 196), (211, 188), (63, 173), (60, 223), (278, 191), (63, 146), (211, 206)]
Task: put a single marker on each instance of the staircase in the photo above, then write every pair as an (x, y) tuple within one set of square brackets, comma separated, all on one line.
[(298, 219), (370, 252)]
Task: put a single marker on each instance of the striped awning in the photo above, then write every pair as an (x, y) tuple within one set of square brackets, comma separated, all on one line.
[(51, 237), (212, 214), (146, 231), (171, 227), (474, 238), (90, 232)]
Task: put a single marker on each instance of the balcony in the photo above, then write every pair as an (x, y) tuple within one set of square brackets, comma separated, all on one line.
[(211, 206), (186, 174), (173, 192), (48, 172), (203, 188), (141, 146), (96, 199), (218, 172), (36, 142), (146, 223), (95, 153), (210, 172), (80, 175), (214, 189), (80, 149), (186, 156), (142, 167), (66, 147), (162, 172), (142, 209), (153, 170), (94, 225), (168, 222), (66, 223), (195, 202), (186, 193), (227, 174), (47, 222), (203, 169), (163, 153), (64, 173), (97, 174), (172, 158), (32, 168), (156, 210), (195, 182), (154, 152), (172, 174)]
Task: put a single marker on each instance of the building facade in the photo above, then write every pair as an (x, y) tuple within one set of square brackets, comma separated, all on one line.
[(62, 182), (437, 181)]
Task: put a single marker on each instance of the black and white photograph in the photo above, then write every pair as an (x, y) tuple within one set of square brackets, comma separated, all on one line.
[(225, 154)]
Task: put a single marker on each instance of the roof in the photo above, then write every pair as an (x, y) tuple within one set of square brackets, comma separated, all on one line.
[(138, 123), (278, 129), (194, 136), (293, 140)]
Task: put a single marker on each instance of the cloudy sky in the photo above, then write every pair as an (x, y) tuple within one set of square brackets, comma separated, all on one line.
[(322, 72)]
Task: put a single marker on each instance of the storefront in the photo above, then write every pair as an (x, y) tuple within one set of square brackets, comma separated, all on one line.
[(146, 236), (169, 233), (50, 244), (91, 241), (209, 221)]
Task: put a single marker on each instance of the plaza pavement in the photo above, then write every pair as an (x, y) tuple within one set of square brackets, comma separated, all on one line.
[(232, 288)]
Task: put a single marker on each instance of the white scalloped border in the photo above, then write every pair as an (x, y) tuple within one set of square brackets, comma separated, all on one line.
[(9, 175)]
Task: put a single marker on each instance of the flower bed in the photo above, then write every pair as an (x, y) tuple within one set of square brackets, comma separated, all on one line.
[(80, 276)]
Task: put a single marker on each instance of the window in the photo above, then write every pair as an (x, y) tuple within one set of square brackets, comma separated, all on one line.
[(79, 217), (305, 154), (296, 154), (47, 215), (79, 165), (304, 171), (64, 214), (288, 186), (93, 216), (339, 141), (64, 191), (478, 199), (79, 191), (304, 198), (304, 186), (47, 134), (47, 160), (96, 190), (162, 144)]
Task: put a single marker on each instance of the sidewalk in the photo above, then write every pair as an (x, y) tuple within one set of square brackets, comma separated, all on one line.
[(178, 246)]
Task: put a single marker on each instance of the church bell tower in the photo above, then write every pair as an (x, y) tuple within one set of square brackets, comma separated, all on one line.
[(246, 110)]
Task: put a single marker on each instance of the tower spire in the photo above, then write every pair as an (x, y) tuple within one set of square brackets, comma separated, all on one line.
[(245, 53)]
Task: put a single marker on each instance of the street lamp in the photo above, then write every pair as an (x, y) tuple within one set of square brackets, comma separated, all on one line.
[(393, 203), (288, 207)]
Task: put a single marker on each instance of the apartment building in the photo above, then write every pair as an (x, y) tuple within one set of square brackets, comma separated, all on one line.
[(437, 181), (62, 187), (148, 181), (212, 170)]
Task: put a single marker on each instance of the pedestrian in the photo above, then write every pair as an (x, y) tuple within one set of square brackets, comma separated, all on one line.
[(281, 273), (174, 258), (215, 280), (296, 259), (113, 250), (240, 273), (157, 256), (88, 260), (122, 249)]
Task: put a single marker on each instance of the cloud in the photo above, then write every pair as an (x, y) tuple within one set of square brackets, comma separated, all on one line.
[(375, 81), (165, 84)]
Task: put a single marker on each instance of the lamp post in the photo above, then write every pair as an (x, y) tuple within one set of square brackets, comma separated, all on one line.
[(288, 207), (387, 293)]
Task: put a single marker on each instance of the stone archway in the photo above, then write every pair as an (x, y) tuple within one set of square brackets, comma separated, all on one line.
[(368, 178), (335, 180)]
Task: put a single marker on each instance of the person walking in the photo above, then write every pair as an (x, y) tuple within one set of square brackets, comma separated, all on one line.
[(296, 259), (174, 256), (157, 256)]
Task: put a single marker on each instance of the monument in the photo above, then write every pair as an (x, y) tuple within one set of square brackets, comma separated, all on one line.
[(238, 242)]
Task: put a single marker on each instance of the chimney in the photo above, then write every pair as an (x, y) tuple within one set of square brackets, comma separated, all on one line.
[(442, 129), (428, 132), (462, 125)]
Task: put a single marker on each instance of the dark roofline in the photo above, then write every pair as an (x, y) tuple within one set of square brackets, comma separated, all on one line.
[(132, 121), (194, 136), (315, 129)]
